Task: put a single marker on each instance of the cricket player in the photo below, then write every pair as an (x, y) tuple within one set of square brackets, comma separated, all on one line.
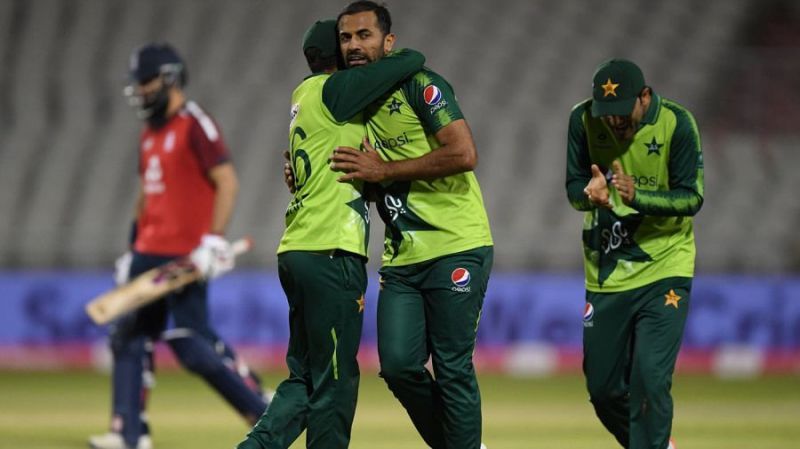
[(438, 245), (322, 255), (635, 166), (186, 197)]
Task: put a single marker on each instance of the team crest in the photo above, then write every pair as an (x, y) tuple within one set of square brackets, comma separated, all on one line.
[(588, 315), (460, 277), (432, 95)]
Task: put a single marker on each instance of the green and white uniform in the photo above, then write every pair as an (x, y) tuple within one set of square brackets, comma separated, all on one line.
[(639, 264), (324, 214), (631, 246), (424, 219), (321, 260), (436, 265)]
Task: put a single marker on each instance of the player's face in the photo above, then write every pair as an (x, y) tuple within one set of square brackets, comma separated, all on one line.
[(140, 94), (151, 98), (361, 39), (625, 126), (149, 88)]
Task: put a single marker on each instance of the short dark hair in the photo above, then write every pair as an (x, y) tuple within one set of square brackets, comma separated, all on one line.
[(381, 13), (318, 62)]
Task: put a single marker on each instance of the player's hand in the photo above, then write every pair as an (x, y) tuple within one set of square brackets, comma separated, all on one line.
[(288, 174), (213, 257), (623, 183), (364, 165), (122, 268), (597, 189)]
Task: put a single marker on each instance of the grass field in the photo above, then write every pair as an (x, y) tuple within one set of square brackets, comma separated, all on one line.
[(59, 410)]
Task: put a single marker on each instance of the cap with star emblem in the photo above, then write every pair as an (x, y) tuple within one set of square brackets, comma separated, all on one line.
[(615, 86)]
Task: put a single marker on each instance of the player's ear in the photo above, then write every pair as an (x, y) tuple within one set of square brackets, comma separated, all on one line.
[(388, 42)]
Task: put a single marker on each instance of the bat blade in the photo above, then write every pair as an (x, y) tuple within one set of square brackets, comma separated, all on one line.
[(149, 287)]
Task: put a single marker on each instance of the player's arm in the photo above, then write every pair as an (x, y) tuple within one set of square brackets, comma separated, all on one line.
[(213, 157), (579, 171), (685, 194), (348, 92), (457, 154), (226, 185)]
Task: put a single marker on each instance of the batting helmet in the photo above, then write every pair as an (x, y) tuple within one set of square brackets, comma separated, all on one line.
[(155, 59)]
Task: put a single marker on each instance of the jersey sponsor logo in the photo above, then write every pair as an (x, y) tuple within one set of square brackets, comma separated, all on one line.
[(642, 181), (391, 142), (148, 144), (588, 315), (460, 278), (432, 95)]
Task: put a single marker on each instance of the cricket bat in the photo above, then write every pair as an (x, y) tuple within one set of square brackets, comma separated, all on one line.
[(150, 286)]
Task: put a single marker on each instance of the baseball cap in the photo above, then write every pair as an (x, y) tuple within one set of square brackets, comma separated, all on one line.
[(323, 35), (615, 86)]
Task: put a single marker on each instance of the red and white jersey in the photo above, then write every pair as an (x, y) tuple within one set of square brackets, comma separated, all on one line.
[(174, 161)]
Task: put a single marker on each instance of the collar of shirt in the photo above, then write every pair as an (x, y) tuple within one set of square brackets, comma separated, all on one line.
[(651, 116)]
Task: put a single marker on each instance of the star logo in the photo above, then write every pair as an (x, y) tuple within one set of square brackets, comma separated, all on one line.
[(653, 147), (609, 88), (395, 106), (360, 301), (672, 299)]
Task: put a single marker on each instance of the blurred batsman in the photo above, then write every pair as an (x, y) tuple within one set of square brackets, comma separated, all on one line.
[(635, 166), (322, 255), (186, 197)]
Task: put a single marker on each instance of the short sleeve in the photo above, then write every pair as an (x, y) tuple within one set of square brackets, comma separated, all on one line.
[(433, 100), (206, 141)]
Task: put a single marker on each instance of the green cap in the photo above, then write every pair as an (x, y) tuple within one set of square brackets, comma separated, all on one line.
[(323, 35), (615, 86)]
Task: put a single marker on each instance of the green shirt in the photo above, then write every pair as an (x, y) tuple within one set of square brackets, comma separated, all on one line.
[(653, 238), (325, 214), (431, 218)]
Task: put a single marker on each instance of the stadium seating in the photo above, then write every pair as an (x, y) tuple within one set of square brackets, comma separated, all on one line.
[(68, 139)]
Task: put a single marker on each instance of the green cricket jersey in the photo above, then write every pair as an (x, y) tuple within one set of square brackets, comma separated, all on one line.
[(325, 214), (431, 218), (631, 246)]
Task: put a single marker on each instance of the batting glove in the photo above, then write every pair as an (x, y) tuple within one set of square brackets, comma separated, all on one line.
[(122, 268), (213, 257)]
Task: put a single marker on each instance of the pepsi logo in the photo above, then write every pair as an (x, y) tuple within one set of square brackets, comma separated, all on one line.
[(460, 277), (432, 94), (588, 312)]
